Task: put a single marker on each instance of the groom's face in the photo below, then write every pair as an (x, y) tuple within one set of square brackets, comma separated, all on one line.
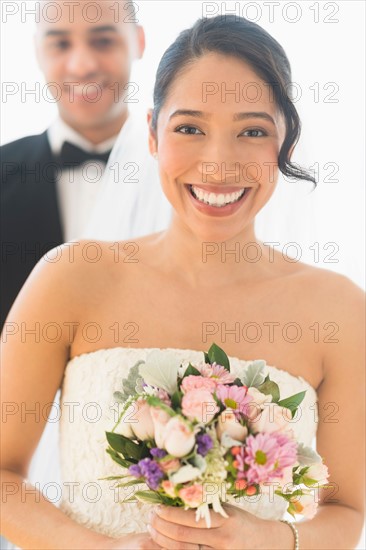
[(85, 50)]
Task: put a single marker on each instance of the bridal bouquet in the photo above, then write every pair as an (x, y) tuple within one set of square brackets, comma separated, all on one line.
[(199, 436)]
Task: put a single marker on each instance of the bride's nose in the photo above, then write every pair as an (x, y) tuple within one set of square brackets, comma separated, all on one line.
[(219, 162)]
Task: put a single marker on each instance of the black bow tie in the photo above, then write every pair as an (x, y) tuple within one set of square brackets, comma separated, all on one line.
[(72, 156)]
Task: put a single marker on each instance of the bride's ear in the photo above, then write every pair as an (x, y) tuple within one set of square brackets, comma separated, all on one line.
[(153, 143)]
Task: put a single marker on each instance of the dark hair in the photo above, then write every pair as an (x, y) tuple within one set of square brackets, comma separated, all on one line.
[(237, 37)]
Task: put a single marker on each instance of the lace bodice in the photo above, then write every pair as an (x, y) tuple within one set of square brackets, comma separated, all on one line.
[(87, 412)]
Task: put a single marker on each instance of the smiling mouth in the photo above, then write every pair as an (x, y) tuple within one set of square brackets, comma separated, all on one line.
[(219, 200)]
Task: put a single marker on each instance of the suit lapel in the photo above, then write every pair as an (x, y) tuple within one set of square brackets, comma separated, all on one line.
[(43, 193)]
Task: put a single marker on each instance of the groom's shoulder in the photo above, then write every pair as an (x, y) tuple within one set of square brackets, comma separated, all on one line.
[(20, 149)]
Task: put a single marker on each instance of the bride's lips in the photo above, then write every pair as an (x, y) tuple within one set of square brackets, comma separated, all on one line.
[(218, 211)]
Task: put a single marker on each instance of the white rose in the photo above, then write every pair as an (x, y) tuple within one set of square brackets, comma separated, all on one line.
[(124, 426), (228, 423), (184, 474), (253, 408), (143, 427), (306, 505), (137, 422), (160, 419), (273, 418), (179, 437), (319, 472)]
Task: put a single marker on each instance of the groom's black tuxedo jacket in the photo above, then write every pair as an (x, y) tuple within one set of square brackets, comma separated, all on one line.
[(30, 215)]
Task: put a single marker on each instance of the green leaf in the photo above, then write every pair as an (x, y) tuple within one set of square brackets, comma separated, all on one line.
[(129, 384), (217, 355), (292, 402), (149, 496), (119, 460), (176, 399), (308, 481), (114, 478), (154, 401), (119, 397), (307, 456), (126, 447), (270, 388), (253, 375), (289, 496), (237, 382), (191, 370), (207, 359), (161, 369), (291, 510), (131, 483)]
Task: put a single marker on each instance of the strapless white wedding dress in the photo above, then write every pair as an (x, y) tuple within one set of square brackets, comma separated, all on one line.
[(87, 413)]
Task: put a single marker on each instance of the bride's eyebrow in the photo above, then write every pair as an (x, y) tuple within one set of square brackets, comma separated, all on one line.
[(261, 114), (236, 117), (189, 112)]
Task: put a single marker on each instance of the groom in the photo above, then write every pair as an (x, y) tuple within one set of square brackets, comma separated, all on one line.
[(49, 181)]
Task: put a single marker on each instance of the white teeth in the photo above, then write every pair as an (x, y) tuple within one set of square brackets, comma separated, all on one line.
[(216, 199)]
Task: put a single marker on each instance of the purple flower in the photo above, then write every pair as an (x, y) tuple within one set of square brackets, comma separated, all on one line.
[(157, 453), (148, 469), (204, 444), (134, 470)]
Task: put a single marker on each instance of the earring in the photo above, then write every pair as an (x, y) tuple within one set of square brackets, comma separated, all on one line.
[(155, 155)]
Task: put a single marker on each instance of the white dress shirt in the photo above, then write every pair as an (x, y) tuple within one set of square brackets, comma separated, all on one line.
[(77, 187)]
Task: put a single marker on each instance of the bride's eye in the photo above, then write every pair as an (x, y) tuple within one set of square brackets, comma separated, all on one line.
[(189, 130), (254, 132)]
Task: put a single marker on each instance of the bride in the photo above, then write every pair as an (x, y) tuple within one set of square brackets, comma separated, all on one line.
[(89, 311)]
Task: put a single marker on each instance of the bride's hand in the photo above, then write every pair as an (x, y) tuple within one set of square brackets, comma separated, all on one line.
[(176, 528), (140, 541)]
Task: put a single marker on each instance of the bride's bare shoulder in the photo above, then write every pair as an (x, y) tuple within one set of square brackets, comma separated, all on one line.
[(329, 291)]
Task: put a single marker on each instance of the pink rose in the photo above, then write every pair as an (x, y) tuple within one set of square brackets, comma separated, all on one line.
[(199, 405), (169, 488), (193, 382), (273, 418), (178, 439), (170, 465), (229, 423), (192, 496)]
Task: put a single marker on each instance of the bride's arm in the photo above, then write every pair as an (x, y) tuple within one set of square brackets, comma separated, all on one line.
[(32, 367), (341, 429)]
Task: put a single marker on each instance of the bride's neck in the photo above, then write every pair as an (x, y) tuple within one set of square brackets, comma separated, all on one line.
[(209, 263)]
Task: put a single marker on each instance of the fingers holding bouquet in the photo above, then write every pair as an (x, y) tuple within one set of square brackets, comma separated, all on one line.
[(176, 528)]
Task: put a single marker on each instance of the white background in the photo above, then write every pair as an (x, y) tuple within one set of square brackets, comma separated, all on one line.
[(322, 53)]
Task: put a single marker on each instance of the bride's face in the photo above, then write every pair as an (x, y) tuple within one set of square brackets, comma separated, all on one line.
[(218, 136)]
